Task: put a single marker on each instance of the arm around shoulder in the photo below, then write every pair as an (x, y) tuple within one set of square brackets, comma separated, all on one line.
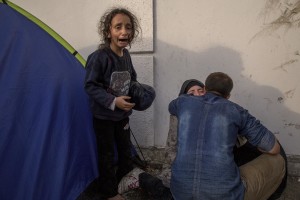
[(172, 107)]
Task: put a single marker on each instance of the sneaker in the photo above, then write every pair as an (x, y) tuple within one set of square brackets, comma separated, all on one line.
[(130, 181)]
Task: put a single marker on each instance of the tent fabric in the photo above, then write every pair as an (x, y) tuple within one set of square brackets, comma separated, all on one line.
[(47, 144), (47, 29)]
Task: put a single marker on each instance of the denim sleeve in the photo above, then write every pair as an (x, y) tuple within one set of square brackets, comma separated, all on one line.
[(256, 133), (93, 85), (173, 107)]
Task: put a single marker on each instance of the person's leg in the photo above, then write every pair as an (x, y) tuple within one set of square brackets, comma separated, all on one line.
[(277, 194), (104, 130), (170, 152), (248, 152), (154, 187), (171, 144), (262, 176), (124, 145)]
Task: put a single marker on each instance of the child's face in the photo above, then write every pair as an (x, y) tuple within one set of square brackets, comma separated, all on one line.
[(120, 32), (196, 90)]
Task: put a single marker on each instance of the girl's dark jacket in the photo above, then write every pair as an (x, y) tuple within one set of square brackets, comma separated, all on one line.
[(99, 69)]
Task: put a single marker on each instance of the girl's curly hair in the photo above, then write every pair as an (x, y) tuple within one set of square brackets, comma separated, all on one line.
[(105, 23)]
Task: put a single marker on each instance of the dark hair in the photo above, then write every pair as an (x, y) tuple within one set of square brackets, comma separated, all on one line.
[(219, 82), (105, 23)]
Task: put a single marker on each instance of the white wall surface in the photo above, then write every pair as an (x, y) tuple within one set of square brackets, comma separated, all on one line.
[(256, 42)]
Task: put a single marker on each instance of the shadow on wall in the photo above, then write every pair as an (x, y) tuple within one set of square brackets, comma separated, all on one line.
[(264, 102)]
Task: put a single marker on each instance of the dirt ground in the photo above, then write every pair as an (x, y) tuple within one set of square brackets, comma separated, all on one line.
[(292, 191)]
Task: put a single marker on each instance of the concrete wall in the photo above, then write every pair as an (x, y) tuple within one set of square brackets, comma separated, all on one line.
[(256, 42)]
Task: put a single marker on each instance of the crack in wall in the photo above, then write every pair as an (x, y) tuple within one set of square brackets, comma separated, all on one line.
[(285, 64), (289, 16)]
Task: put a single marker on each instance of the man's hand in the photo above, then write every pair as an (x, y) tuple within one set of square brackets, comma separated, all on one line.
[(123, 104)]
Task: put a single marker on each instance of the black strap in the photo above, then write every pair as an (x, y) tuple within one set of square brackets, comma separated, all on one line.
[(4, 2), (137, 145), (75, 53)]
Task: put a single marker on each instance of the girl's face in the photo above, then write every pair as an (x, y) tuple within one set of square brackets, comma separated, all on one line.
[(196, 90), (120, 33)]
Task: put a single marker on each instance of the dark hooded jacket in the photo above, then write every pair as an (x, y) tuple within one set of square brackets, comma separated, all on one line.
[(188, 84)]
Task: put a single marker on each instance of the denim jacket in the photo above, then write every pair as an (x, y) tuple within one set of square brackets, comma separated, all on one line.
[(208, 127)]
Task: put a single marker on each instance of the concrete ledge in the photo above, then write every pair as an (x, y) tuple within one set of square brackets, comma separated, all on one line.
[(293, 165)]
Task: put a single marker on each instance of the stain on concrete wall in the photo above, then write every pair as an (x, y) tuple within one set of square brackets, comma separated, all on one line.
[(279, 14), (289, 14), (285, 65)]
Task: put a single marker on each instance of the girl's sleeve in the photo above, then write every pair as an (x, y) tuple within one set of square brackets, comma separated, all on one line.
[(93, 85)]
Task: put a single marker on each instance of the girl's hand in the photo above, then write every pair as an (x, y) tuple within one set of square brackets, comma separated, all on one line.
[(123, 104)]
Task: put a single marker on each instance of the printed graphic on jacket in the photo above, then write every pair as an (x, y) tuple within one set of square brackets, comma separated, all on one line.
[(120, 83)]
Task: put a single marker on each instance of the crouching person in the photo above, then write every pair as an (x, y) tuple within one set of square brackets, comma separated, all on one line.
[(208, 127)]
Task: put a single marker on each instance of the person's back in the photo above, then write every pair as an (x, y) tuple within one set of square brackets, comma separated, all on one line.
[(208, 127), (204, 157)]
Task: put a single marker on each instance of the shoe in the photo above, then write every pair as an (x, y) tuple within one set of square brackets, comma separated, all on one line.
[(130, 181)]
